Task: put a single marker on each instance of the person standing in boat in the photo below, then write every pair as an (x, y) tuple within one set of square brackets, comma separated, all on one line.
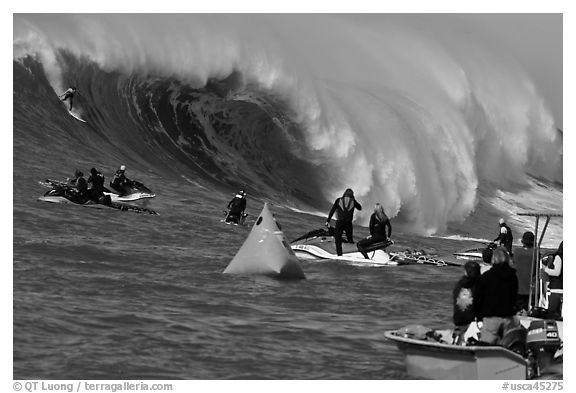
[(495, 298), (505, 237), (463, 300), (525, 271), (555, 284), (380, 230), (343, 209)]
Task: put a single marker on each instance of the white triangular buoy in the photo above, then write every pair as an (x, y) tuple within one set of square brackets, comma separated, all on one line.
[(266, 251)]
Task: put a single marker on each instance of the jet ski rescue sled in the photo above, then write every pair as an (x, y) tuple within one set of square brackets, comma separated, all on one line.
[(532, 351), (319, 245), (266, 252), (323, 247)]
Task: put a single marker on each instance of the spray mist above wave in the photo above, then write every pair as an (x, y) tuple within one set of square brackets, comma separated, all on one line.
[(411, 121)]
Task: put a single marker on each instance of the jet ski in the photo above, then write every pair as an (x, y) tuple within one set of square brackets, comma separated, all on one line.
[(232, 220), (68, 194), (319, 244), (128, 193), (131, 193), (474, 254)]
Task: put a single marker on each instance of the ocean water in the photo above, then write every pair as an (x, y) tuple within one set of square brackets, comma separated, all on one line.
[(104, 294)]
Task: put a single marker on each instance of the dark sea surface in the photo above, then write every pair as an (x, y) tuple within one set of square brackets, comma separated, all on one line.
[(102, 294)]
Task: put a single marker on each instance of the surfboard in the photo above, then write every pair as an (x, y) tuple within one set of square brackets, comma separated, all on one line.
[(77, 117)]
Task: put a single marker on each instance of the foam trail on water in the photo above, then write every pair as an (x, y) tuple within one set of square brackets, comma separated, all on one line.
[(403, 115)]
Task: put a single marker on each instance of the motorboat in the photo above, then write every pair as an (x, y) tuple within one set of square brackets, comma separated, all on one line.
[(534, 350)]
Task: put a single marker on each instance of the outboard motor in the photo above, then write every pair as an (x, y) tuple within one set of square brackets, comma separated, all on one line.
[(542, 340), (515, 340)]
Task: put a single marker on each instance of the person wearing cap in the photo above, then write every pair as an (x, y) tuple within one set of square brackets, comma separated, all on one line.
[(525, 270), (120, 182), (343, 209), (505, 237), (463, 299), (236, 207)]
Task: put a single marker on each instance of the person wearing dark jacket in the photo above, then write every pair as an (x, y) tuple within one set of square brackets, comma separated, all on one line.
[(97, 180), (79, 194), (343, 209), (505, 237), (236, 207), (120, 182), (495, 298), (555, 283), (380, 230), (463, 299), (525, 270)]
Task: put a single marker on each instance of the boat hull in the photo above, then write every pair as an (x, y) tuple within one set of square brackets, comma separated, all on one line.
[(444, 360), (433, 360)]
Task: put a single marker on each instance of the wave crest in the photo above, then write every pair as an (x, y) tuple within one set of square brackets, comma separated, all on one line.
[(305, 107)]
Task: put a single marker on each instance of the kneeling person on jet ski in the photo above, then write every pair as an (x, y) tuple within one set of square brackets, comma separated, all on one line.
[(236, 207), (120, 182), (380, 230)]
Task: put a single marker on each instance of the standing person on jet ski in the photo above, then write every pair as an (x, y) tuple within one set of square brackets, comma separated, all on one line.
[(236, 207), (344, 209), (97, 180), (120, 181), (505, 237), (380, 230)]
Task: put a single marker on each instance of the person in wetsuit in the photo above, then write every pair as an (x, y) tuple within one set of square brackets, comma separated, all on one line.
[(380, 230), (343, 208), (81, 185), (120, 182), (69, 95), (75, 189), (96, 192), (505, 237), (236, 207)]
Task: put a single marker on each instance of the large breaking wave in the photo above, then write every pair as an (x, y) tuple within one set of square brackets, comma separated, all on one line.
[(301, 107)]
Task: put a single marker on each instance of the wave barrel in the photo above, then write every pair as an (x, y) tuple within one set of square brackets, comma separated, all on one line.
[(266, 252)]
